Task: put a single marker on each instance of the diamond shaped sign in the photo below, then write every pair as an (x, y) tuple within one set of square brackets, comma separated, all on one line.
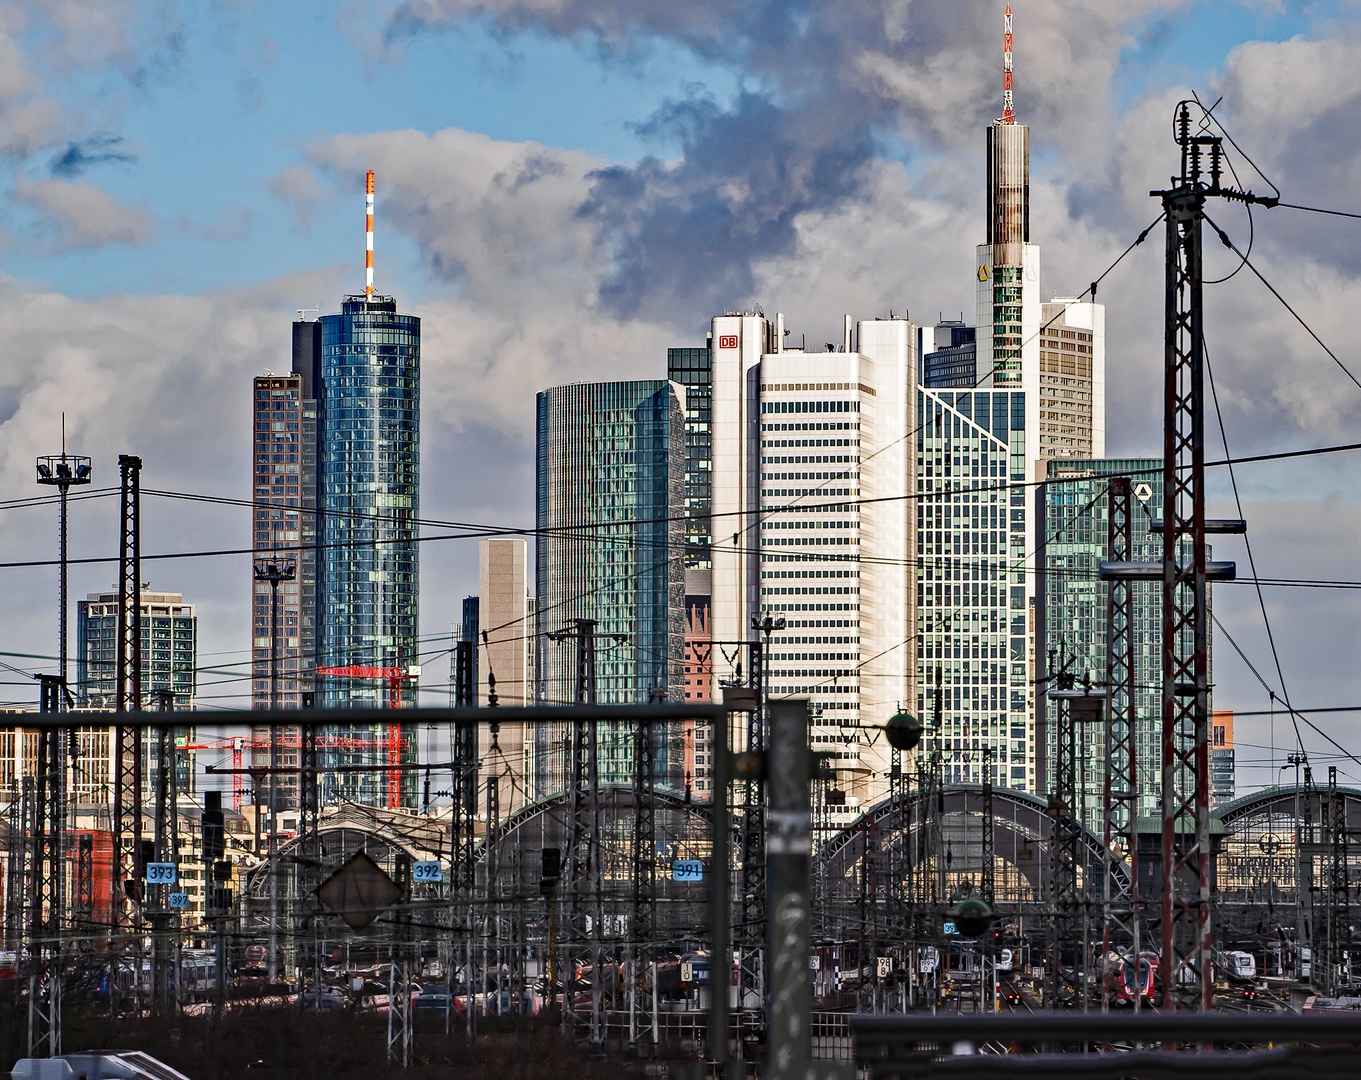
[(358, 891)]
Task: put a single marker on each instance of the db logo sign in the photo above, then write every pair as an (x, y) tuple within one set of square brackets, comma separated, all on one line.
[(727, 341)]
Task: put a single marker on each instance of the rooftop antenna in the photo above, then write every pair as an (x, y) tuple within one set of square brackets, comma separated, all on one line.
[(1007, 116), (368, 196)]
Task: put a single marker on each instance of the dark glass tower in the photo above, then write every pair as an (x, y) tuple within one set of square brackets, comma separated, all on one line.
[(693, 369), (368, 569)]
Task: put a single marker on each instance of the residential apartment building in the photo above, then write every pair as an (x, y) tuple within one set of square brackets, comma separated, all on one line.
[(169, 642)]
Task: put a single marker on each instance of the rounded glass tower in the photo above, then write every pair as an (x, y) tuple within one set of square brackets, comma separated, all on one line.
[(368, 572)]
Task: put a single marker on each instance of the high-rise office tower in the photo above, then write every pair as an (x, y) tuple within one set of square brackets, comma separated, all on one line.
[(1222, 771), (370, 484), (1071, 606), (307, 367), (610, 550), (692, 369), (505, 651), (466, 629), (953, 359), (1072, 379), (811, 490), (973, 613), (278, 535), (368, 574), (1054, 352), (284, 478), (1021, 346), (169, 633)]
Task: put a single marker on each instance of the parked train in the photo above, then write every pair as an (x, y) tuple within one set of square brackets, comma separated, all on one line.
[(1130, 985)]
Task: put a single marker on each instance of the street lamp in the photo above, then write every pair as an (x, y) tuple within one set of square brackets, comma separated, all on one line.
[(274, 571), (63, 471)]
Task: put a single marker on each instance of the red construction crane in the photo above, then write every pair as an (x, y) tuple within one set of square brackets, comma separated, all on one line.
[(237, 746), (289, 739), (394, 676)]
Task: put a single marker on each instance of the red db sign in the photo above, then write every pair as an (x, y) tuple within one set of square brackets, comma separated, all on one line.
[(727, 341)]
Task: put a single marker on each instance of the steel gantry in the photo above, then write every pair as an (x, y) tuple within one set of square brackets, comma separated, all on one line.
[(1186, 856), (1120, 790), (583, 861), (156, 898), (1061, 885), (46, 880), (1335, 963), (643, 923), (463, 811), (126, 880)]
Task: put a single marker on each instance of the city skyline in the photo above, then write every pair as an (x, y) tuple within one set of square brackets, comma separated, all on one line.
[(91, 339)]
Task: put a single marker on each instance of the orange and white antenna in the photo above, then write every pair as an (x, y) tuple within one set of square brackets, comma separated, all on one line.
[(1007, 116), (368, 220)]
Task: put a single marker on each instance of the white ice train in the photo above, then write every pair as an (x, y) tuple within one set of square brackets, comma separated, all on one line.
[(1240, 967)]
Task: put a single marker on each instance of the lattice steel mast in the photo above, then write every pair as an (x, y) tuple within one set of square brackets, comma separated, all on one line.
[(1120, 790), (751, 928), (643, 923), (1187, 977), (125, 907)]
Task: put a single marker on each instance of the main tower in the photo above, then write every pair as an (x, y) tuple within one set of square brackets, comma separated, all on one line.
[(1008, 269), (368, 572)]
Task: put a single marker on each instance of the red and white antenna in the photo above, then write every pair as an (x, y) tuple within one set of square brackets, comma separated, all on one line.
[(1007, 116), (368, 205)]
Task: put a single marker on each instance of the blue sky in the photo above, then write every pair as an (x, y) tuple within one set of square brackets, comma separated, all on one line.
[(245, 90), (213, 116)]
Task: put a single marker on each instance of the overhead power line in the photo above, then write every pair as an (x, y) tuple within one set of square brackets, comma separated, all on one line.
[(1224, 239), (1318, 210)]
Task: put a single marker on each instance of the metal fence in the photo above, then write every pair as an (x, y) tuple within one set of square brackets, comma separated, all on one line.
[(1111, 1046)]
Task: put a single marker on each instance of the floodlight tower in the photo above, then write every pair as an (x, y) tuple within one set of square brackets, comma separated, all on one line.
[(63, 471)]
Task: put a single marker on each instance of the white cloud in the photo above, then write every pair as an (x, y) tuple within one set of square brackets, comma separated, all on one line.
[(514, 267), (78, 214), (298, 189)]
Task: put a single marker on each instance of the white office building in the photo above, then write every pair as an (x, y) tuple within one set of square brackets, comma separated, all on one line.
[(813, 479)]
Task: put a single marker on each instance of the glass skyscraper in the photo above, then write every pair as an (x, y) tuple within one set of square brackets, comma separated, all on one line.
[(953, 363), (973, 633), (693, 369), (610, 547), (1071, 608), (368, 570)]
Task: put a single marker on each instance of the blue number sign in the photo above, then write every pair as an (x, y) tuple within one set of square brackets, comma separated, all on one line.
[(179, 899), (687, 870), (427, 872), (161, 873)]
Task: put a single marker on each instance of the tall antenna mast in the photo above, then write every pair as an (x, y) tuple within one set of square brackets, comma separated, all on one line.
[(1007, 116), (368, 195)]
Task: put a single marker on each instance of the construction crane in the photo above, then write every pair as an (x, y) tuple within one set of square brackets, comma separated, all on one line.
[(394, 677), (289, 739)]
